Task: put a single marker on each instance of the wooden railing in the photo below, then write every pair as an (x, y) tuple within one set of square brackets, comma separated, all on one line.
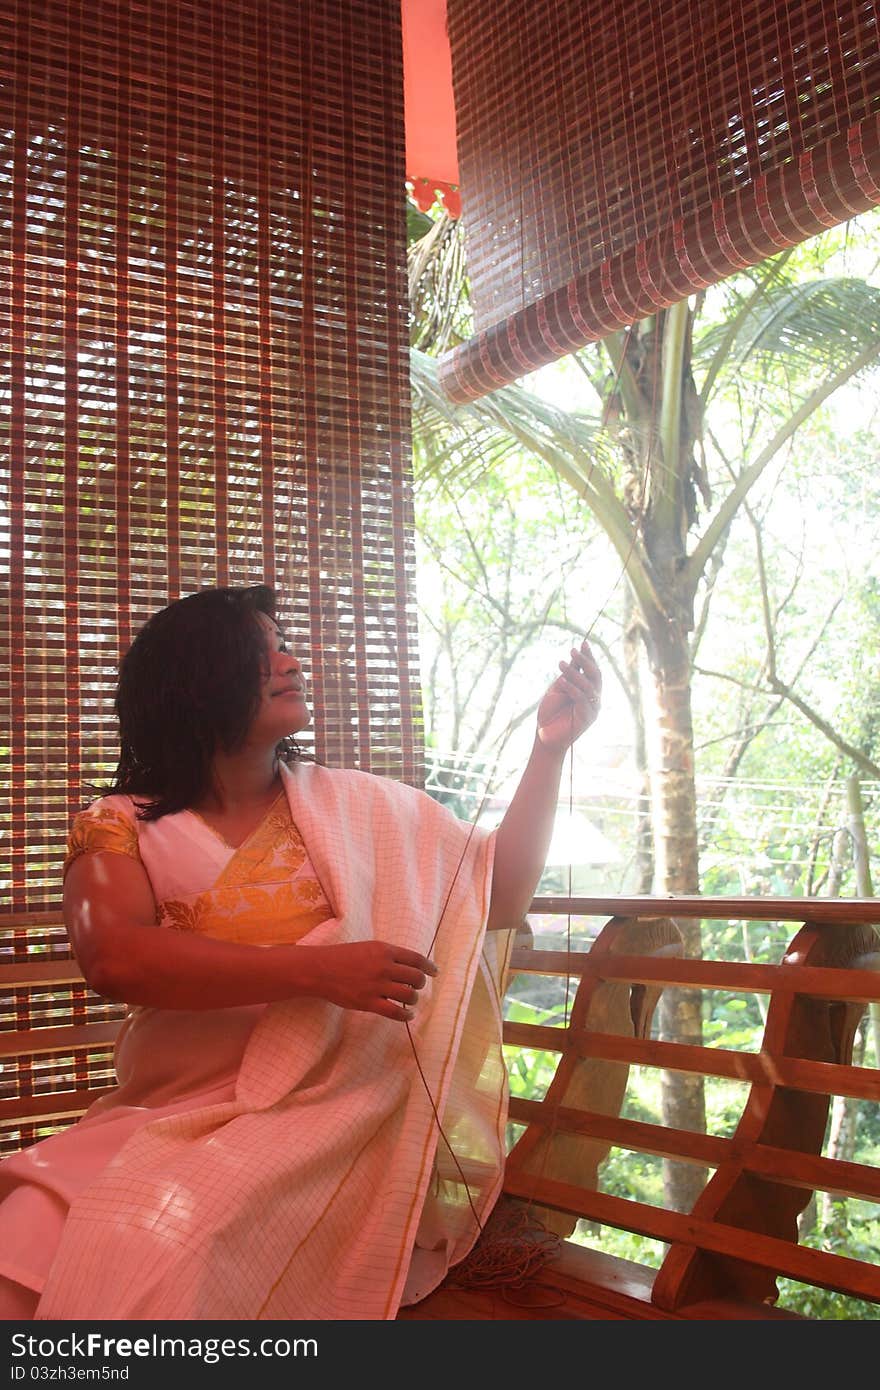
[(724, 1255), (56, 1036)]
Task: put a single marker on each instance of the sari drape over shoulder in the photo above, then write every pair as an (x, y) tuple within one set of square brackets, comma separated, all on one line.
[(284, 1161)]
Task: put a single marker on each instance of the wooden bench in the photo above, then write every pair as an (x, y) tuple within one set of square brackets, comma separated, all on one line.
[(724, 1256)]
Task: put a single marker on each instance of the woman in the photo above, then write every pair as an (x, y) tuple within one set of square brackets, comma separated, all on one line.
[(278, 1145)]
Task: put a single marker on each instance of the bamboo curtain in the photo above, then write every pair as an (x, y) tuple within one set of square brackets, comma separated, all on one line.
[(206, 363), (205, 380), (618, 155)]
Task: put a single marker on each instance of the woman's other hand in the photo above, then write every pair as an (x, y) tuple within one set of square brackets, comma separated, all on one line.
[(372, 976)]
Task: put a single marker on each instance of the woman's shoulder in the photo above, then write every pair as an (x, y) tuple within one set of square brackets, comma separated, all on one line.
[(112, 806), (107, 824), (358, 779), (357, 787)]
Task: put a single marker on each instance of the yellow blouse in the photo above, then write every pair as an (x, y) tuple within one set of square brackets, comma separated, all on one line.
[(266, 894)]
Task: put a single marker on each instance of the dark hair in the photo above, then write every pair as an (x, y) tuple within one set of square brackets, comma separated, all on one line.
[(189, 685)]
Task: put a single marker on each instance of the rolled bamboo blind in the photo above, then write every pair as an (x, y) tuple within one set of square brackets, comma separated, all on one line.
[(618, 155), (205, 377)]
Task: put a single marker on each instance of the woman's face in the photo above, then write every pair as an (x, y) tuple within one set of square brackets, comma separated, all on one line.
[(283, 709)]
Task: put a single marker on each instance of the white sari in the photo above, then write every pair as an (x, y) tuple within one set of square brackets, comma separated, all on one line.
[(285, 1161)]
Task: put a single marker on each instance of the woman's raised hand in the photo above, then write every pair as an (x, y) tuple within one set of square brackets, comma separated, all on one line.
[(572, 702)]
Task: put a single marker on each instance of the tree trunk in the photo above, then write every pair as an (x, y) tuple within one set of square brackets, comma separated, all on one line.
[(644, 865), (864, 885), (831, 1210), (841, 1145), (674, 803)]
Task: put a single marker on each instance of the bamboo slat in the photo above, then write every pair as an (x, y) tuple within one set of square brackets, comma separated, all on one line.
[(81, 1037)]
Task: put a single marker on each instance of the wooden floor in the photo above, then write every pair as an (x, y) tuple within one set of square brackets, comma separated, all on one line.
[(578, 1284), (558, 1292)]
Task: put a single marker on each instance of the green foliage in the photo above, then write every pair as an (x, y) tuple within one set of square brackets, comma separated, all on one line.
[(440, 313), (625, 1245), (824, 1304), (418, 223), (491, 625), (846, 1233), (530, 1070)]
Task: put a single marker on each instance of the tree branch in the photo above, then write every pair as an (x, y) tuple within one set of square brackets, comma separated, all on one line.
[(824, 727), (696, 562)]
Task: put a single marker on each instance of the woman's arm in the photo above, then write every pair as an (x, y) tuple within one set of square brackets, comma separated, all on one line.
[(110, 915), (569, 707)]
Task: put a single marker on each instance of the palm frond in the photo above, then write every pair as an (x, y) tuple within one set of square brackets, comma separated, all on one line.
[(438, 288), (511, 415), (822, 323), (467, 441)]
